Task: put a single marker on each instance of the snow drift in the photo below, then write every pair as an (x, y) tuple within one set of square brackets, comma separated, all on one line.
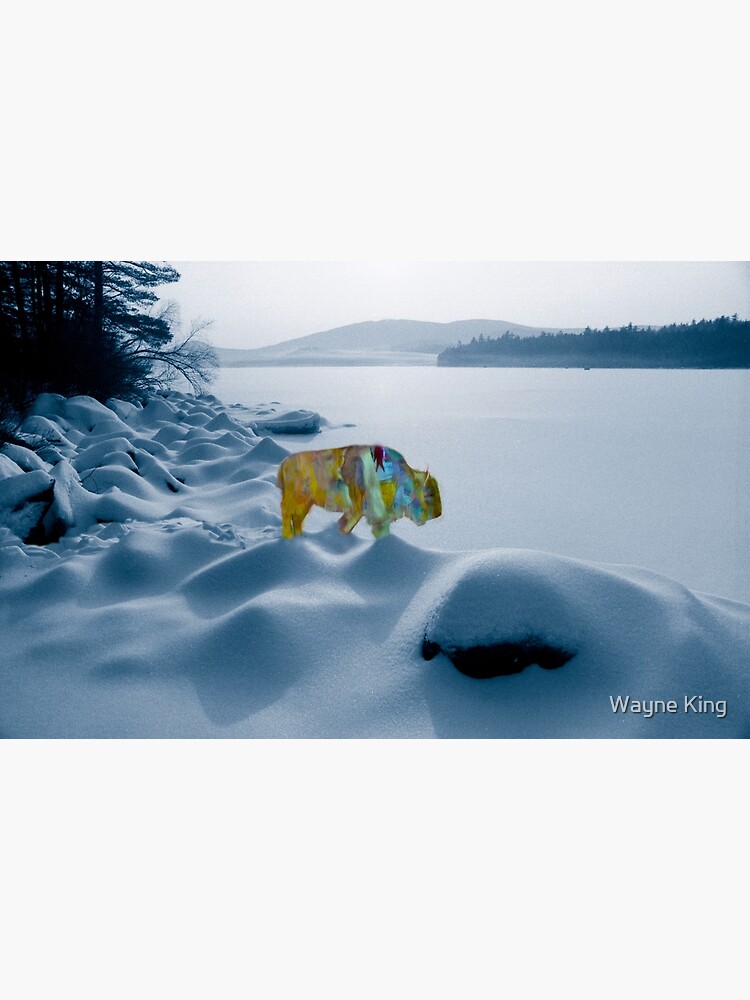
[(165, 603)]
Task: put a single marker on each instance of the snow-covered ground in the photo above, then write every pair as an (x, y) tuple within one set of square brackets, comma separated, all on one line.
[(170, 606)]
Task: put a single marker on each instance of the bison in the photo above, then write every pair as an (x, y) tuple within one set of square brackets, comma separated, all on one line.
[(368, 481)]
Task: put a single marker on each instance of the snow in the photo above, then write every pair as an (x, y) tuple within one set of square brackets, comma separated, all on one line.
[(24, 499), (291, 422), (21, 458), (14, 490), (267, 418), (169, 606)]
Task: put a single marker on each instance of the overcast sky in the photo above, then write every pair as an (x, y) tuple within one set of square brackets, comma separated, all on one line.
[(254, 304)]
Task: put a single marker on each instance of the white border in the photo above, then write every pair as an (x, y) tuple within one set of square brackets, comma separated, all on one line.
[(409, 131)]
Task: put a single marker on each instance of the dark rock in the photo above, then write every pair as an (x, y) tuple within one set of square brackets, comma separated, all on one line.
[(500, 659)]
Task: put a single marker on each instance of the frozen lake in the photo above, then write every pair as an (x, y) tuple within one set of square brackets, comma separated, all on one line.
[(642, 467)]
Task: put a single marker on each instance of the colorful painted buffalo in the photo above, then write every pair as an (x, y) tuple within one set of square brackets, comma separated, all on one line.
[(358, 481)]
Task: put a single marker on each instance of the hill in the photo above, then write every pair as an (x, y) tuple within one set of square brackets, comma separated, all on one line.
[(387, 341)]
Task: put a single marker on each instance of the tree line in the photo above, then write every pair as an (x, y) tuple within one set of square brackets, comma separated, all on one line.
[(715, 343), (95, 328)]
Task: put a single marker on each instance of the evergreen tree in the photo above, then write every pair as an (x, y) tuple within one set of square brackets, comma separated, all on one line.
[(93, 328), (723, 342)]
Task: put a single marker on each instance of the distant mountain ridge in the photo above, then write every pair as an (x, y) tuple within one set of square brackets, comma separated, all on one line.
[(386, 341)]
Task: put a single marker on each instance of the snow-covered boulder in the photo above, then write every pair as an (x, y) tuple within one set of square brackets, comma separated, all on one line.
[(44, 429), (289, 422), (124, 409), (73, 505), (24, 458), (8, 467), (604, 632), (24, 501)]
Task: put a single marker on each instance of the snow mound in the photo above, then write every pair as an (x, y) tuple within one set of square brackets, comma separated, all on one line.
[(606, 631)]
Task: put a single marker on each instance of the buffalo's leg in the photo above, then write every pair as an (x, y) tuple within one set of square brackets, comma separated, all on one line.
[(300, 514), (287, 523), (293, 513), (348, 521)]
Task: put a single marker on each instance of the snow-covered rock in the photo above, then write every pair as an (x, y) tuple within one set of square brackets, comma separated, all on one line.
[(272, 418), (289, 422), (26, 459), (609, 631), (8, 467), (24, 501)]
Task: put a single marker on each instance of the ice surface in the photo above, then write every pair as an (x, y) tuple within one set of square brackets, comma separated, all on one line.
[(649, 467), (171, 606)]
